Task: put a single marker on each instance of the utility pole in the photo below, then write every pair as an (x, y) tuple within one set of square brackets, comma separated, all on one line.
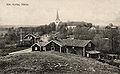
[(21, 36)]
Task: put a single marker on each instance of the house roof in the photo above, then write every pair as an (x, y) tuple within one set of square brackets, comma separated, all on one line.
[(39, 44), (112, 55), (75, 42), (59, 42), (66, 42), (93, 52), (71, 42), (30, 35)]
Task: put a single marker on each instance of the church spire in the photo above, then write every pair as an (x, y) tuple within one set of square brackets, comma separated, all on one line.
[(57, 21), (57, 17)]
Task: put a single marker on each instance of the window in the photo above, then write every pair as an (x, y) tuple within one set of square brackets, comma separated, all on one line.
[(30, 37), (72, 47), (89, 45)]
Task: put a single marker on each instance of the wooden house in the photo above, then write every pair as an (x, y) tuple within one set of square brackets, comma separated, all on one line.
[(80, 47), (38, 46), (29, 40)]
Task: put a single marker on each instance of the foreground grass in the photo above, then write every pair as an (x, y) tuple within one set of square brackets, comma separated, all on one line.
[(53, 63)]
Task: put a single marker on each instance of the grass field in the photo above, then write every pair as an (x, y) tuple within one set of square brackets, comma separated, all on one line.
[(52, 63)]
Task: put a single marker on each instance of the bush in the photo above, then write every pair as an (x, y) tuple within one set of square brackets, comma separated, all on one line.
[(3, 53)]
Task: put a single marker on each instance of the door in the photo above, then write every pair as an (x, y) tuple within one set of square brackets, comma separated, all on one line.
[(36, 48)]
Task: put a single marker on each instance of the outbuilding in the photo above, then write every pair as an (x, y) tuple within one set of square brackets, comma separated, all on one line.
[(38, 46), (93, 54)]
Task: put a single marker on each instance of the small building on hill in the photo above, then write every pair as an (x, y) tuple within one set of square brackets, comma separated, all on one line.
[(30, 37), (93, 54), (80, 47), (29, 40), (38, 46)]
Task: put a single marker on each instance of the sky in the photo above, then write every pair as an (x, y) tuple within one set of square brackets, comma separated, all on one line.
[(40, 12)]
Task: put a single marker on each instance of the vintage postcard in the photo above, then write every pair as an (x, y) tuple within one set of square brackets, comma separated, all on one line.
[(59, 37)]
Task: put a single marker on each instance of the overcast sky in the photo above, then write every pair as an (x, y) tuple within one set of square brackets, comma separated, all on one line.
[(38, 12)]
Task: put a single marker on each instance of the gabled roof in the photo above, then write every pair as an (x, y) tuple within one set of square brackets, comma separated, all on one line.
[(39, 44), (71, 42), (57, 42), (66, 42), (75, 42), (30, 35)]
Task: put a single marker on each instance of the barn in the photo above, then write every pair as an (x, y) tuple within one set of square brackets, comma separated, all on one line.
[(79, 47), (74, 46)]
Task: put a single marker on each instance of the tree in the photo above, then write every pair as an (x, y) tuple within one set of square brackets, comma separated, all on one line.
[(52, 26), (112, 33), (11, 37), (115, 38), (62, 29), (89, 25), (81, 32), (70, 31)]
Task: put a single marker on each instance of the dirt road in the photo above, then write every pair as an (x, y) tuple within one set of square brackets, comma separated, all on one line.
[(22, 51)]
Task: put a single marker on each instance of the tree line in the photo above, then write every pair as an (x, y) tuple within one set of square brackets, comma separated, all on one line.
[(106, 38)]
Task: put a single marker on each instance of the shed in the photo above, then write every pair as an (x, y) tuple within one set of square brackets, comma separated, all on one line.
[(93, 54), (38, 46)]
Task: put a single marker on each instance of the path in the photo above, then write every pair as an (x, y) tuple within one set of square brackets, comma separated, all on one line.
[(22, 51)]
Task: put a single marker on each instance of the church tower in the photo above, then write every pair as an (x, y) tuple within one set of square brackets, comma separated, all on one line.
[(57, 20)]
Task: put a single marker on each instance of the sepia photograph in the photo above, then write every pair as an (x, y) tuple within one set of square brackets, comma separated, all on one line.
[(59, 36)]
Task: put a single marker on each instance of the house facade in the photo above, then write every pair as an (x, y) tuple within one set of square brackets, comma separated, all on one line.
[(29, 40), (39, 46), (79, 47)]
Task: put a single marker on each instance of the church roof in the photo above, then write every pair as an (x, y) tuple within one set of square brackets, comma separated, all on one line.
[(73, 23)]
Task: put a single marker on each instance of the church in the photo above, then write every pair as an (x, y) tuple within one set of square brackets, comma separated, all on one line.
[(69, 24)]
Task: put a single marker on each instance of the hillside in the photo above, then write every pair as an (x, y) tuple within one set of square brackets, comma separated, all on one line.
[(53, 63)]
